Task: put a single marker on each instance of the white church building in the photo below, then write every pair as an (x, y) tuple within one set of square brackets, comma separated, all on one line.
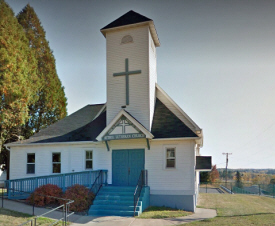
[(139, 127)]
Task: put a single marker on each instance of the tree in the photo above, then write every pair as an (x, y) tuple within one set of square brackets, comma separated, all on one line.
[(18, 78), (239, 180), (204, 177), (272, 181), (214, 174), (52, 103)]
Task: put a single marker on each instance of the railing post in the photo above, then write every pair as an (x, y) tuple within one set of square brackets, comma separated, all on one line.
[(63, 215), (8, 189), (36, 183), (64, 181)]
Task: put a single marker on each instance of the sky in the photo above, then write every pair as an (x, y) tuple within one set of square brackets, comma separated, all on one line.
[(216, 61)]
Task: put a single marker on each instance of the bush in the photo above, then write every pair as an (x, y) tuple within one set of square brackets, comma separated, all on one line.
[(40, 196), (81, 195)]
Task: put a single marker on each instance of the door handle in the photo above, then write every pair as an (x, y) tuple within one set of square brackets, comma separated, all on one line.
[(129, 171)]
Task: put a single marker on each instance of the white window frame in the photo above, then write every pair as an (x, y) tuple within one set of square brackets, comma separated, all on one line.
[(165, 157), (85, 159), (30, 163), (56, 162)]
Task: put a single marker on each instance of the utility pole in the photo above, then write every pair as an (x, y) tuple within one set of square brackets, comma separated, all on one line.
[(226, 166)]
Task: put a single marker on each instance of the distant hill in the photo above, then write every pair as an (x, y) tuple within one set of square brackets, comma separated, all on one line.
[(260, 171)]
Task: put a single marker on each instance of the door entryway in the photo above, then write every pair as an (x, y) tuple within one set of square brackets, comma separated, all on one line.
[(126, 166)]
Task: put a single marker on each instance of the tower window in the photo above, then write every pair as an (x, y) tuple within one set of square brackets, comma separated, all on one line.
[(127, 39)]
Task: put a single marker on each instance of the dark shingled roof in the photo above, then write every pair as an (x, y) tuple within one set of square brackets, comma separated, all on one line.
[(68, 129), (128, 18), (83, 126), (167, 125)]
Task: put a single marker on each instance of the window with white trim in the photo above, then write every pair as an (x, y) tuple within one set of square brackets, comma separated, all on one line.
[(30, 163), (170, 157), (89, 160), (56, 161)]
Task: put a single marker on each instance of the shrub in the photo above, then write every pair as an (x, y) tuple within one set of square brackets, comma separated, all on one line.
[(81, 195), (40, 196)]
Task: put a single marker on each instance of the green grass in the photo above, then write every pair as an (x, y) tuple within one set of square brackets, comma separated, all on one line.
[(154, 212), (238, 209), (8, 217)]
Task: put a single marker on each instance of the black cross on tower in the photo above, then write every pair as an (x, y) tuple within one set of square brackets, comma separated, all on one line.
[(127, 73)]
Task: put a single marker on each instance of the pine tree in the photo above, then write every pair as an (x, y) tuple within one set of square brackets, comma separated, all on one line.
[(18, 77), (52, 103), (239, 183)]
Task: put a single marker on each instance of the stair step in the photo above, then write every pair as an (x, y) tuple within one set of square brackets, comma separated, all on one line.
[(116, 193), (118, 188), (113, 197), (115, 202), (114, 207), (111, 213)]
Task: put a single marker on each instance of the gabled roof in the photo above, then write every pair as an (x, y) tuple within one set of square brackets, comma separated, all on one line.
[(89, 124), (130, 17), (130, 118), (72, 127), (167, 125)]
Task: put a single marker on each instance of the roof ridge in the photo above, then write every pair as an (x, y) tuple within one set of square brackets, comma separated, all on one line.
[(131, 17)]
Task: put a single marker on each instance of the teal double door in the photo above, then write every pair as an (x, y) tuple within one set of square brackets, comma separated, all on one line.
[(126, 166)]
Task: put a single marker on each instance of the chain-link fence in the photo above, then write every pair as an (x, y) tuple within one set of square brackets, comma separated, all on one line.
[(238, 188)]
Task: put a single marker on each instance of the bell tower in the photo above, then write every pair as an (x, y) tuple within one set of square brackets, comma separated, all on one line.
[(131, 42)]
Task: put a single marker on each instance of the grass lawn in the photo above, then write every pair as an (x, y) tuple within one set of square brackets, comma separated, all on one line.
[(162, 212), (238, 209), (8, 217)]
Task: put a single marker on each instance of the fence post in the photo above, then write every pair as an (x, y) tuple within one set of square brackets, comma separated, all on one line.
[(259, 189), (2, 197), (206, 187), (231, 188), (273, 190)]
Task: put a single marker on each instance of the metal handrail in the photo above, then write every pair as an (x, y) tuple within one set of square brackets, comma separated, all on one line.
[(96, 183), (142, 181)]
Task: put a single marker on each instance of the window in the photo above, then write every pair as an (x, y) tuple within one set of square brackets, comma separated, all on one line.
[(30, 163), (89, 159), (56, 162), (170, 158), (127, 39)]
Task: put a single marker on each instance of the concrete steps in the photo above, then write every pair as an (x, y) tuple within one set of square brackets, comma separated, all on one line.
[(118, 201)]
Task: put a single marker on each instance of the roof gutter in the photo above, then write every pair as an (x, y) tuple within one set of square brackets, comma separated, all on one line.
[(179, 138), (52, 143)]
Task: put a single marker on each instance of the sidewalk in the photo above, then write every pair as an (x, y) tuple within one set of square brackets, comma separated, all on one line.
[(200, 214)]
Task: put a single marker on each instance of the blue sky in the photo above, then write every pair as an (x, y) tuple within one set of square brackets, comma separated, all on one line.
[(216, 60)]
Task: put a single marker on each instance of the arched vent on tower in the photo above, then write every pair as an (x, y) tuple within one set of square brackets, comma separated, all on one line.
[(127, 39)]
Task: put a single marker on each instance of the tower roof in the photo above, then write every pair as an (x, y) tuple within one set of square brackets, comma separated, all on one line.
[(131, 19)]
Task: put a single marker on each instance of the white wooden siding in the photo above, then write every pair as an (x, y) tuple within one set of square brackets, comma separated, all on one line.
[(161, 180), (72, 159), (180, 179), (139, 88)]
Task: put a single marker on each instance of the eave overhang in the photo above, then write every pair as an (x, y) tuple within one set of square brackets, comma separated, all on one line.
[(148, 23)]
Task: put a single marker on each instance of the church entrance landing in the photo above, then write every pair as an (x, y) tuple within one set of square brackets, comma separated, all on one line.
[(126, 166)]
